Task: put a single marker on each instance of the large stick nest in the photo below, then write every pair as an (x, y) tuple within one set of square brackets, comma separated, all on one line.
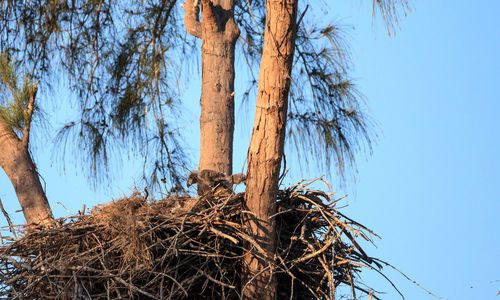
[(186, 248)]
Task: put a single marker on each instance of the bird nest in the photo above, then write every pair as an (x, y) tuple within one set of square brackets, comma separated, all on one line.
[(186, 248)]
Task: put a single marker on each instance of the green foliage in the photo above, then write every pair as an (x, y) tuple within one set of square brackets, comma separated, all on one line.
[(390, 11), (327, 119), (14, 101), (116, 56), (121, 59)]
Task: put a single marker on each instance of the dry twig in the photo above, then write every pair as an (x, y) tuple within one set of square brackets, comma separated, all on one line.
[(186, 248)]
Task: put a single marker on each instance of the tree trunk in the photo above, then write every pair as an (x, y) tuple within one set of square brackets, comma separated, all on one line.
[(16, 161), (267, 143), (218, 33)]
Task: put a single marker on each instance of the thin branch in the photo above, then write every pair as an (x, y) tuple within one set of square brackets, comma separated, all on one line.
[(253, 18), (11, 227)]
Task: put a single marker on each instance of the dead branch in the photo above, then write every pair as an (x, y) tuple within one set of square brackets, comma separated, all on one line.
[(186, 248)]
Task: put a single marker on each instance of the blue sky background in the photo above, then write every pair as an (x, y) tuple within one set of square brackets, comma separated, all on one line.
[(430, 187)]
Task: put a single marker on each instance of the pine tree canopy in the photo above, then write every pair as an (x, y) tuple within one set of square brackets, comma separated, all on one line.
[(121, 60)]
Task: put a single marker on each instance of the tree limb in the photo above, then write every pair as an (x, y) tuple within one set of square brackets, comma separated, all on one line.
[(28, 114), (191, 17)]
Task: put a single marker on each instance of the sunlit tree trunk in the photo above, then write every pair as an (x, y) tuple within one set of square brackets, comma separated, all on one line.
[(266, 145), (17, 163), (218, 33)]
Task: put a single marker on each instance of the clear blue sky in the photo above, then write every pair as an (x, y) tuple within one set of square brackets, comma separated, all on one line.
[(429, 189)]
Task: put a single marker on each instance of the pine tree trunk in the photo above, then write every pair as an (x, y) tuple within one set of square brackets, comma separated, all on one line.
[(218, 33), (267, 143), (16, 161)]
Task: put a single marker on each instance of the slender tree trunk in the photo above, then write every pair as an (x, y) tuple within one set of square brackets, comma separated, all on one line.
[(16, 161), (266, 145), (218, 33)]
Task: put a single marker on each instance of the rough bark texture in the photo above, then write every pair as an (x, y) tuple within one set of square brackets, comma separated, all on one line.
[(218, 33), (268, 138), (16, 161)]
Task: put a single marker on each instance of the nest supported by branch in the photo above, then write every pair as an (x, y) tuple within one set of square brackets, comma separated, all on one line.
[(186, 248)]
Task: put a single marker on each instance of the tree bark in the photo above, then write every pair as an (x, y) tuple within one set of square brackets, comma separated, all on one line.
[(219, 34), (16, 161), (267, 143)]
